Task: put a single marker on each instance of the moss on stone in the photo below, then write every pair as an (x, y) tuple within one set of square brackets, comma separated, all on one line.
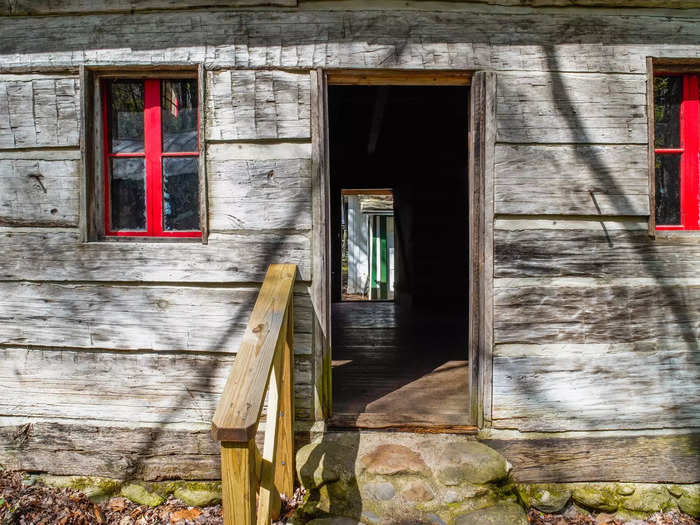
[(545, 497), (598, 496), (141, 495), (689, 500), (647, 499), (95, 488)]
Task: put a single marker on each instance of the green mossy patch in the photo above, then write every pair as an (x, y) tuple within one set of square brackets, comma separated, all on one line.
[(139, 494), (545, 497), (193, 493), (95, 488)]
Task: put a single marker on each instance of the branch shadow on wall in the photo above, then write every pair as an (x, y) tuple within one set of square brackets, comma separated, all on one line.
[(663, 359)]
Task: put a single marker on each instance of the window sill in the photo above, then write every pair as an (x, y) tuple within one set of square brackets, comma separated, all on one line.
[(674, 236), (142, 240)]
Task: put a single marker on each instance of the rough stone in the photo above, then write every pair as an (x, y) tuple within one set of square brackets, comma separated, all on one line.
[(599, 496), (434, 519), (198, 497), (381, 490), (648, 499), (139, 494), (391, 459), (329, 460), (472, 462), (689, 501), (370, 518), (417, 491), (625, 489), (95, 488), (549, 498), (502, 514), (450, 496)]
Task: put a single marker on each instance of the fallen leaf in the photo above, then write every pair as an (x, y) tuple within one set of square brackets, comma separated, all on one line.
[(185, 514), (117, 504)]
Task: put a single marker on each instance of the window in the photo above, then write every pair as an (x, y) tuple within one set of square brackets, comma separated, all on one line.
[(676, 149), (151, 158)]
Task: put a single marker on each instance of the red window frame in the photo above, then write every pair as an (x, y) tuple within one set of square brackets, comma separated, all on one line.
[(689, 150), (153, 154)]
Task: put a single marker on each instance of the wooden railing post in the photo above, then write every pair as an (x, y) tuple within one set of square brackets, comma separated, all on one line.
[(285, 471), (238, 482), (251, 482)]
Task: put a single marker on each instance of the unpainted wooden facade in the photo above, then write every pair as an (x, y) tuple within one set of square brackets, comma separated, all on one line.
[(114, 353)]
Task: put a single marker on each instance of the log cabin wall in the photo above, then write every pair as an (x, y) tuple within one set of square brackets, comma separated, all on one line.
[(114, 354)]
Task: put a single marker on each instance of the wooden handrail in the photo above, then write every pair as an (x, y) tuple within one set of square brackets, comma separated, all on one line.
[(264, 363)]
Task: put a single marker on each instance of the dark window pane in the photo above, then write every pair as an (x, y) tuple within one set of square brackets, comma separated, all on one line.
[(668, 189), (668, 93), (128, 194), (180, 193), (126, 116), (179, 110)]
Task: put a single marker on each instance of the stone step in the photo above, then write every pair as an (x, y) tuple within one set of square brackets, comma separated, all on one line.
[(376, 477)]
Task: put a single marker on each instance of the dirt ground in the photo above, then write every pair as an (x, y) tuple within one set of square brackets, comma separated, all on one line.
[(25, 504)]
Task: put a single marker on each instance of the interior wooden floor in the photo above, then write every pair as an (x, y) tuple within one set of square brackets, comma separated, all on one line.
[(394, 368)]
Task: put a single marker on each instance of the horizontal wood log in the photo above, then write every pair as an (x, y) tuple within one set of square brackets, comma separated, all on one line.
[(118, 316), (644, 459), (557, 107), (58, 255), (465, 37), (39, 192), (259, 195), (50, 7), (32, 7), (39, 110), (571, 180), (554, 387), (596, 311), (593, 249), (140, 452), (257, 105), (117, 388)]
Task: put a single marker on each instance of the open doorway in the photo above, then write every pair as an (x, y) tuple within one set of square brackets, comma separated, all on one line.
[(398, 163), (368, 245)]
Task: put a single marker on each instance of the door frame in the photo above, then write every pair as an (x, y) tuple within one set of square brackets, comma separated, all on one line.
[(481, 147)]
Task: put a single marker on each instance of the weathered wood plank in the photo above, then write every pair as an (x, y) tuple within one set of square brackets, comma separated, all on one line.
[(39, 192), (51, 7), (39, 110), (33, 7), (596, 311), (571, 180), (141, 452), (122, 388), (257, 105), (557, 107), (259, 195), (593, 250), (643, 385), (117, 316), (58, 255), (465, 37), (643, 459)]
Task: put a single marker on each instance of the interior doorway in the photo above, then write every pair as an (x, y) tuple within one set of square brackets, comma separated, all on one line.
[(399, 317)]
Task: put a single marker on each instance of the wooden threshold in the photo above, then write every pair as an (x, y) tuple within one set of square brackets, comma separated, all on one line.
[(416, 423), (369, 77)]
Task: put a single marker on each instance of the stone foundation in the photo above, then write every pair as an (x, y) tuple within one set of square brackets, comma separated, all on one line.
[(193, 493), (386, 477), (626, 500)]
